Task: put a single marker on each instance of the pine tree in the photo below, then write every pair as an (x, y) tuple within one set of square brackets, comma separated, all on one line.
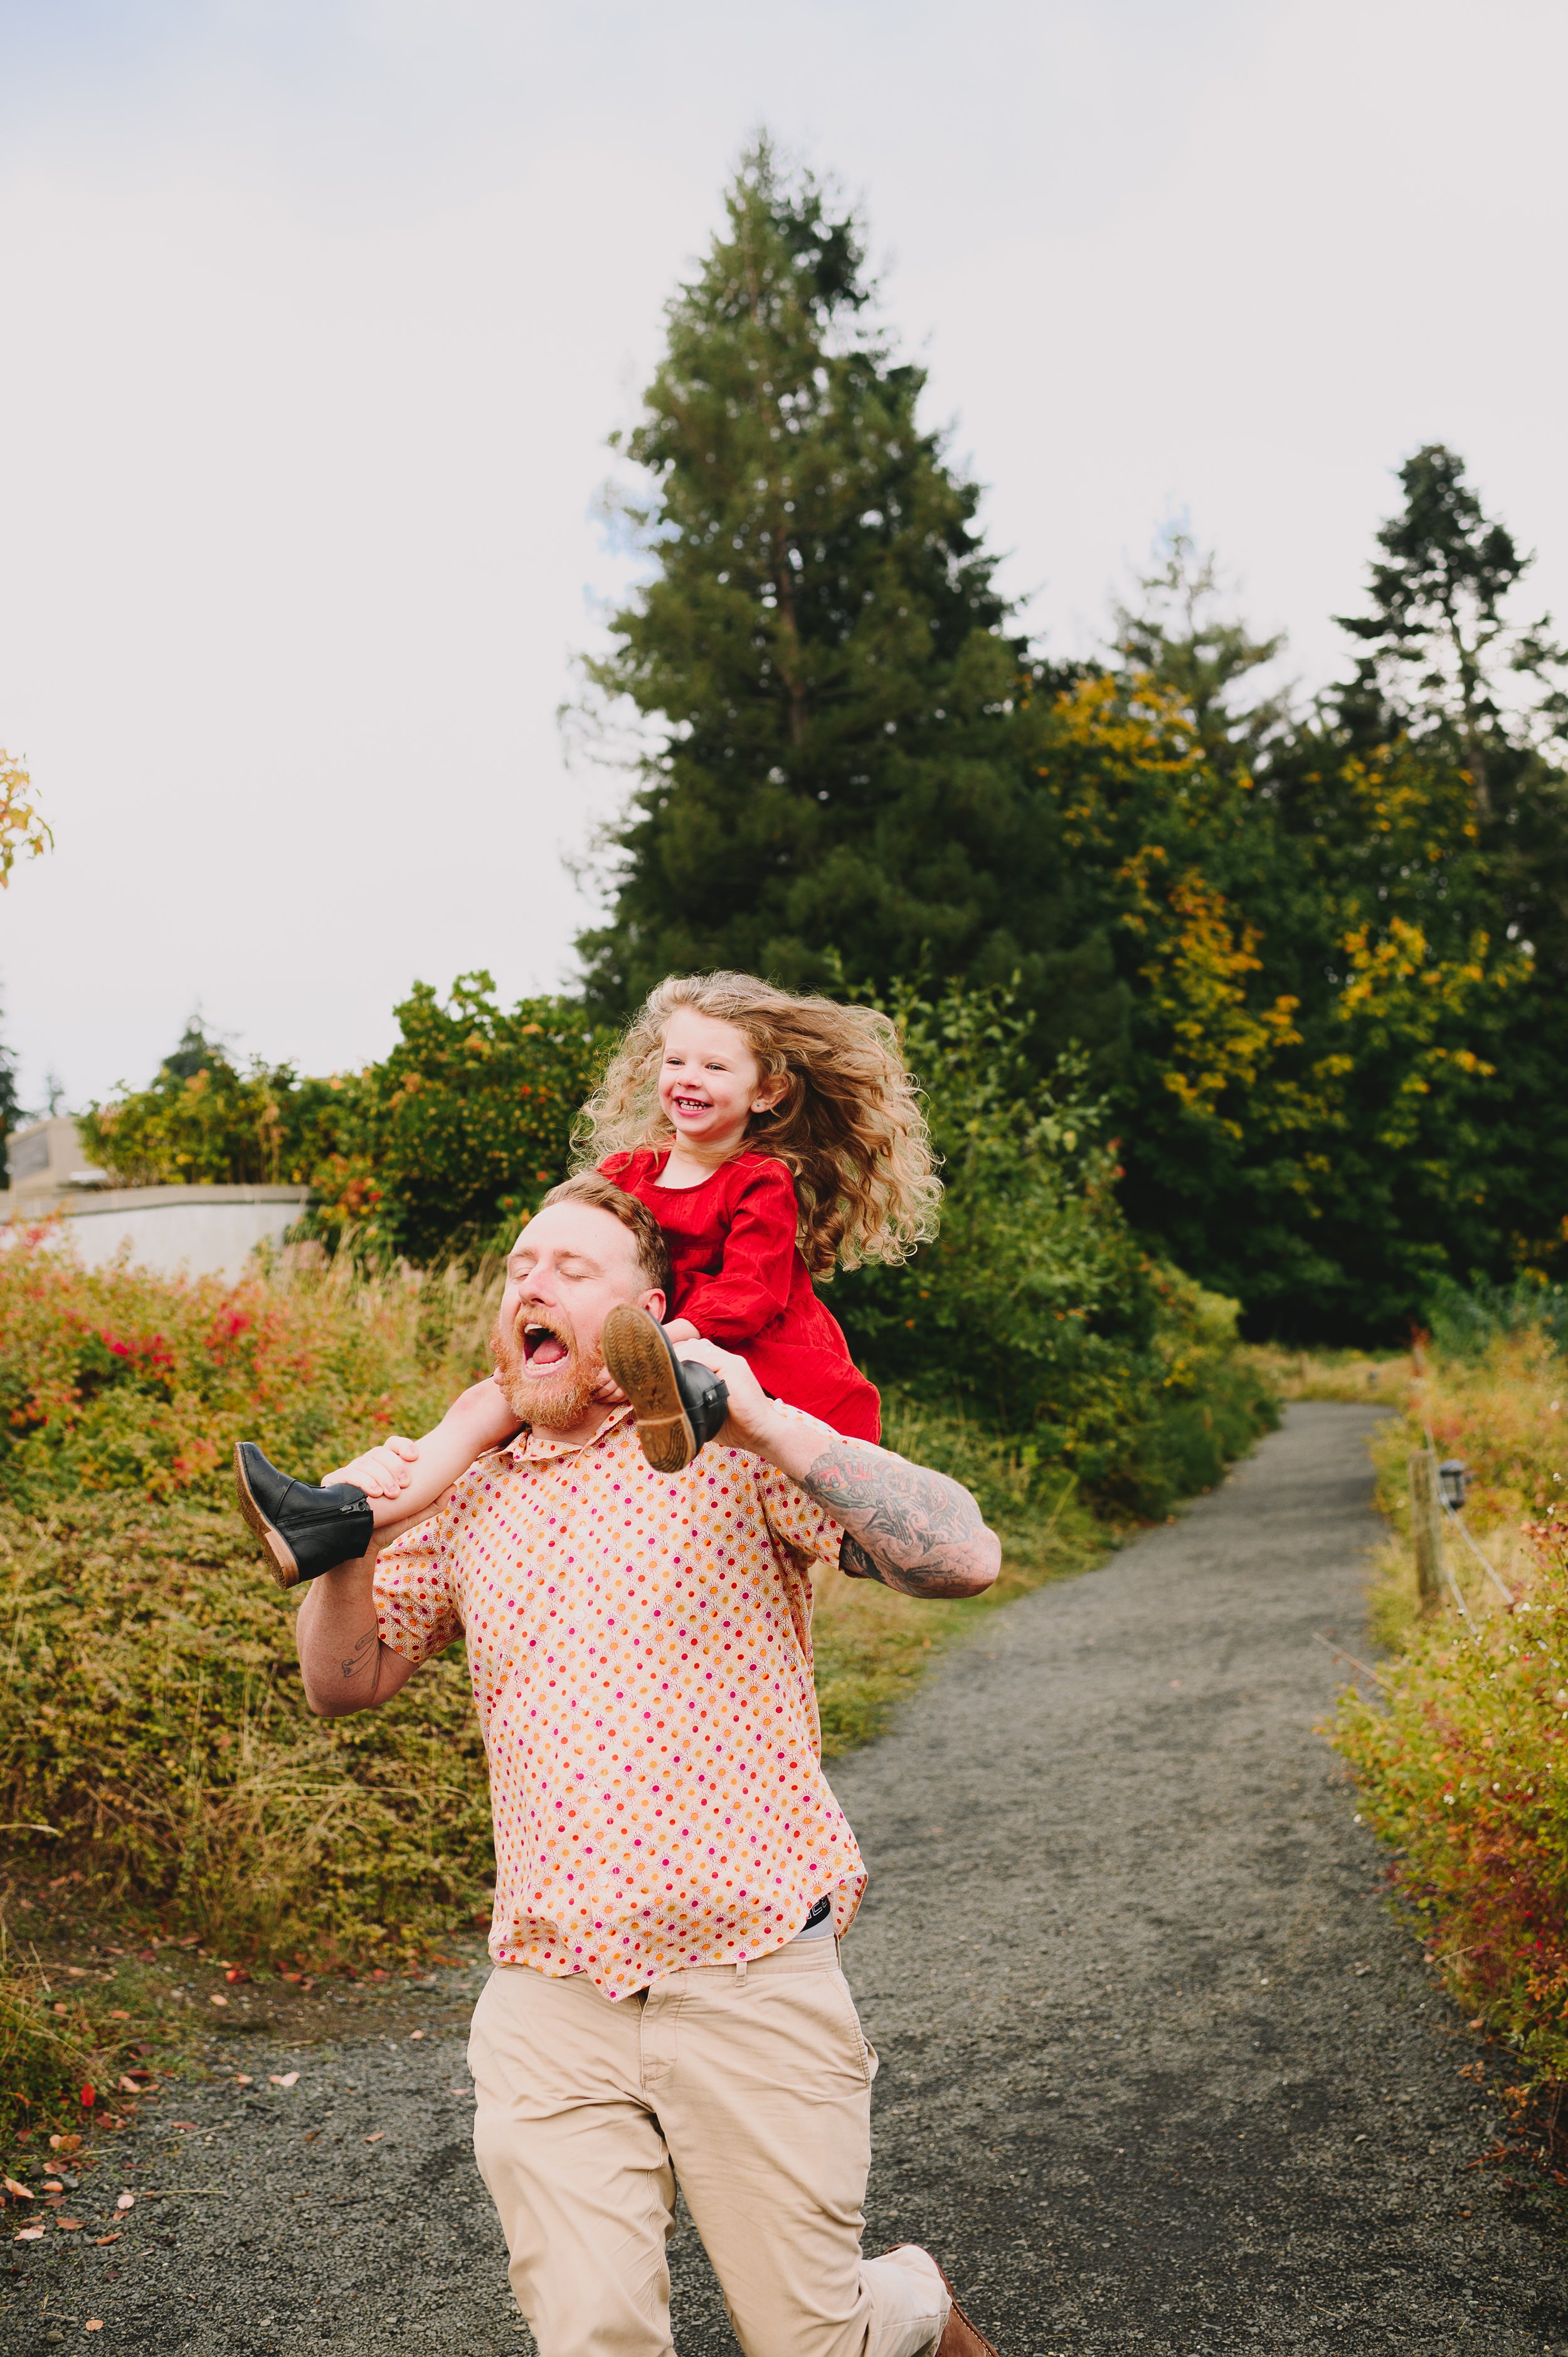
[(1180, 635), (1442, 652), (821, 657)]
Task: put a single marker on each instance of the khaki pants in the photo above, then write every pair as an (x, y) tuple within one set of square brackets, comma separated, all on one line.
[(750, 2085)]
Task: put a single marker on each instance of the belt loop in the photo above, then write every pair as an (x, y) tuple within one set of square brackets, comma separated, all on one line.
[(740, 1974)]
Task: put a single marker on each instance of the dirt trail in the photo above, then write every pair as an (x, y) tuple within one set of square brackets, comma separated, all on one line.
[(1160, 2074)]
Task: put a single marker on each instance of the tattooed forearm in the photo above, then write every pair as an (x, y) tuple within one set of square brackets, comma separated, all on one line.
[(367, 1644), (853, 1561), (904, 1526)]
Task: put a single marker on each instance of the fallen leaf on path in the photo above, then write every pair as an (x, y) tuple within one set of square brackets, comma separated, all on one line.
[(94, 2324), (185, 2124), (216, 1996), (127, 2201), (99, 2240), (30, 2234), (137, 2086), (243, 2079), (117, 2014), (65, 2144), (416, 2033), (23, 2193), (68, 2225), (236, 1972), (289, 2078), (376, 2137)]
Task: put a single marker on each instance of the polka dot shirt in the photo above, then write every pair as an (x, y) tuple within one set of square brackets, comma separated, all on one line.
[(639, 1646)]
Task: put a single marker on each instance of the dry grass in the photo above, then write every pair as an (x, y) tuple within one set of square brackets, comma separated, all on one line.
[(1359, 1376), (1461, 1758)]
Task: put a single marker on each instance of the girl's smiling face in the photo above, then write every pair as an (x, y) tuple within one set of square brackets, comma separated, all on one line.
[(710, 1084)]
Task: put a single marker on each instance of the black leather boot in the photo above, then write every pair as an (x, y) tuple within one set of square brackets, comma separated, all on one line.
[(678, 1404), (303, 1531)]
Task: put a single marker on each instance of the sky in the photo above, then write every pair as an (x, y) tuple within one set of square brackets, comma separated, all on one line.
[(318, 315)]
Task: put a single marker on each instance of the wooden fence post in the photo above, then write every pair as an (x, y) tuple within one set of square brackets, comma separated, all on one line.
[(1427, 1527)]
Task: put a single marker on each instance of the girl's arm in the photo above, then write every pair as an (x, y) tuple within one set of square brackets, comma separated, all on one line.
[(752, 1288), (403, 1478)]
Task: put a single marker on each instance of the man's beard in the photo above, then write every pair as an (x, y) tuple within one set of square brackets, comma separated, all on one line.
[(553, 1402)]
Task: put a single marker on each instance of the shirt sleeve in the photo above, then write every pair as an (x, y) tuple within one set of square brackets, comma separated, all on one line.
[(796, 1522), (752, 1288), (416, 1603)]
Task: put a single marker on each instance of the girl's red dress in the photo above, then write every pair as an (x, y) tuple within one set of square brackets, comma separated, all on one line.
[(740, 1279)]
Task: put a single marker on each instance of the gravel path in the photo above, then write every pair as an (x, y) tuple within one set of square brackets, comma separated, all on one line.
[(1160, 2074)]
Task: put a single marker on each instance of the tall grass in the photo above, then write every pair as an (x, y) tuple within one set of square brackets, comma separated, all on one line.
[(151, 1713), (1461, 1759)]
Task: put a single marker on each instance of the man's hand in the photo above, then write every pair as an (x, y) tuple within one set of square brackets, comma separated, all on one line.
[(752, 1414), (911, 1529)]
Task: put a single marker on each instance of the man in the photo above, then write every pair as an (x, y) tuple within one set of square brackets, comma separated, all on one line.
[(673, 1868)]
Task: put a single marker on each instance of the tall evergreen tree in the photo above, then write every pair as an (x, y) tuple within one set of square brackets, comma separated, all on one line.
[(822, 657), (1180, 633), (1442, 652)]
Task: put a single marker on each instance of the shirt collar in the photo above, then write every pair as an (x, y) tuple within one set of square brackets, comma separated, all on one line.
[(535, 1448)]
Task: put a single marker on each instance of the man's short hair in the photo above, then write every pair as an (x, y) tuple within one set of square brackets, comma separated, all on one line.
[(653, 1251)]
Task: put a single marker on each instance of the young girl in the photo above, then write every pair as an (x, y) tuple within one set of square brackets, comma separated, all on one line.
[(773, 1137)]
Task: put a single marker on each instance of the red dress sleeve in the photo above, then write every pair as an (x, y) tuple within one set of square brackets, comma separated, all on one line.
[(752, 1288)]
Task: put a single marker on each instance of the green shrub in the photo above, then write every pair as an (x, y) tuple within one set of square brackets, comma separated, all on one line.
[(1035, 1306), (1465, 1320), (469, 1119), (152, 1710), (440, 1150)]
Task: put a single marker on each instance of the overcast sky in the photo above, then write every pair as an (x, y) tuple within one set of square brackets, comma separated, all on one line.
[(317, 314)]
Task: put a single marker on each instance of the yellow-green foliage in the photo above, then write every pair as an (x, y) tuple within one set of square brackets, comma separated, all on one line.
[(150, 1709), (1463, 1758)]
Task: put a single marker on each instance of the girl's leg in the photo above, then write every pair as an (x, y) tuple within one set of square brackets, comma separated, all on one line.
[(304, 1529)]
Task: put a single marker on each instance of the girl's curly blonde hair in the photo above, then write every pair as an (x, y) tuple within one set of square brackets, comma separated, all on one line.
[(848, 1127)]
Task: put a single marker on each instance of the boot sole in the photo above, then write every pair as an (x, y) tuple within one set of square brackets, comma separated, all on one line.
[(277, 1552), (642, 1363)]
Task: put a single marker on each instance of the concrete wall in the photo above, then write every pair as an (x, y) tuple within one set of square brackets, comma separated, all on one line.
[(47, 1157), (206, 1231)]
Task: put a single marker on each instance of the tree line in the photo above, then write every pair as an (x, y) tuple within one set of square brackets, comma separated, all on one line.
[(1306, 965), (1317, 958)]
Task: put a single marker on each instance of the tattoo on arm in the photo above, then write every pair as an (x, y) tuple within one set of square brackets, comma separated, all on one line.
[(853, 1561), (369, 1643), (904, 1526)]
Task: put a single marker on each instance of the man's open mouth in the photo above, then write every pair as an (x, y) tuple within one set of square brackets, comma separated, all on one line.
[(542, 1348)]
